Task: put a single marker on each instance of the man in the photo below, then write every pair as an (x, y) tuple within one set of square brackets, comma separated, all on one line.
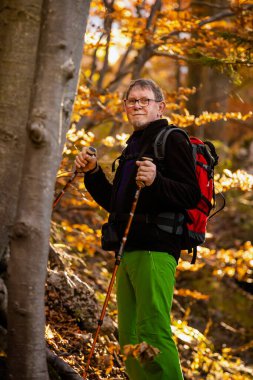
[(146, 275)]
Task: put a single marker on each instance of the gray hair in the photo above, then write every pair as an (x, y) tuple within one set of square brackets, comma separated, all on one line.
[(146, 83)]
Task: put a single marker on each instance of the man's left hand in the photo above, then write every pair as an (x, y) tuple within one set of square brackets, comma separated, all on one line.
[(146, 172)]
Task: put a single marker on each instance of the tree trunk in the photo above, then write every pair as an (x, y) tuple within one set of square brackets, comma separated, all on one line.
[(19, 33), (212, 86), (62, 26)]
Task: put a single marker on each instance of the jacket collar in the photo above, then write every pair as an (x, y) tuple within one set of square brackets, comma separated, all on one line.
[(149, 134)]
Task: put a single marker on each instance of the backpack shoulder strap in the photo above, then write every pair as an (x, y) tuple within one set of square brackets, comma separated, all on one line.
[(161, 138), (123, 156), (214, 155)]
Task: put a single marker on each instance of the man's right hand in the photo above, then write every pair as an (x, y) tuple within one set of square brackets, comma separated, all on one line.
[(86, 160)]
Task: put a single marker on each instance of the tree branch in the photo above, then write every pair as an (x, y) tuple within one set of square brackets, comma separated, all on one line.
[(211, 5), (217, 17), (122, 71), (198, 60), (65, 371), (114, 83), (108, 28), (155, 8), (106, 60), (140, 7), (205, 3), (124, 58), (224, 14), (94, 59), (141, 58), (144, 54), (158, 53), (109, 5)]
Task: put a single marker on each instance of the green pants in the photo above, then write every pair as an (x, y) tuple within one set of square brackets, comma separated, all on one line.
[(145, 283)]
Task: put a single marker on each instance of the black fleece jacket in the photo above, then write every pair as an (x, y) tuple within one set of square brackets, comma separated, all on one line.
[(174, 190)]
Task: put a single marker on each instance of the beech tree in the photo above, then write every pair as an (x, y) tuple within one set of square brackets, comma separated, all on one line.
[(42, 45)]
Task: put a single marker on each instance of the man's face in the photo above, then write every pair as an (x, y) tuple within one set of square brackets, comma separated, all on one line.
[(139, 116)]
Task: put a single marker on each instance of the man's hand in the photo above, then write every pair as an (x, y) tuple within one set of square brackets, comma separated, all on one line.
[(86, 160), (146, 172)]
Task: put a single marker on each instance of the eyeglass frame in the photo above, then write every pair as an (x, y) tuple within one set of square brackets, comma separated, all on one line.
[(138, 101)]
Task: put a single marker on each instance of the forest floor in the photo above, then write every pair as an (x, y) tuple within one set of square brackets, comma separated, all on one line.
[(212, 309), (211, 319)]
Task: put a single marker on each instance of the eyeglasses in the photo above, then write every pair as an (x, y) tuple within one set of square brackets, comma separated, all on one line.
[(143, 102)]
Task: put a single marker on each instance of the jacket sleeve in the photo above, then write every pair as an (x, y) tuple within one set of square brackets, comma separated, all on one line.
[(178, 188), (99, 187)]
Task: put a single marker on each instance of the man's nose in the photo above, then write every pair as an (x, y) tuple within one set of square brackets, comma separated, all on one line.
[(137, 105)]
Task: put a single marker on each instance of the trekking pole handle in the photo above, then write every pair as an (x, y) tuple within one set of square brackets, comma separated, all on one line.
[(141, 184), (91, 152)]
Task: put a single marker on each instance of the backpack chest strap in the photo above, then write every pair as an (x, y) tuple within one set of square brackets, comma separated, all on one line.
[(171, 222)]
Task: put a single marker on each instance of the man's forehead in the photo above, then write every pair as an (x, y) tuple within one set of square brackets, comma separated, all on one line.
[(137, 90)]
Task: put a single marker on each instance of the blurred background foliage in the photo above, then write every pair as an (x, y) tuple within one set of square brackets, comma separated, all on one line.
[(200, 53)]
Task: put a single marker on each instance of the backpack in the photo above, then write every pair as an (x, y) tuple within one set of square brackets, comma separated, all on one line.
[(205, 158)]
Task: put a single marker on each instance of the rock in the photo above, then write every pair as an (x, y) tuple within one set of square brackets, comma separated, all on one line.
[(67, 291)]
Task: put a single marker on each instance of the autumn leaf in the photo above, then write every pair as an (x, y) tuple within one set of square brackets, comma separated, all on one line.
[(143, 351), (191, 293)]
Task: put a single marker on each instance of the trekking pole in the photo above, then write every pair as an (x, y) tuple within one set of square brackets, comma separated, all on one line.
[(91, 152), (140, 185)]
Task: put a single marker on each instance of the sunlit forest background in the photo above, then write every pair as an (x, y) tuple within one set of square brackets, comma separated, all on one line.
[(200, 53)]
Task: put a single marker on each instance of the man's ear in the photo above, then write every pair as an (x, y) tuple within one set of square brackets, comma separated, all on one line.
[(123, 106), (162, 106)]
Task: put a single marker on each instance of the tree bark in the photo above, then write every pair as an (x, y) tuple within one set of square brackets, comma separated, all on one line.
[(19, 33), (62, 26)]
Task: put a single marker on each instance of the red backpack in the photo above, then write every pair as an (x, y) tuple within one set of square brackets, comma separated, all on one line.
[(205, 158)]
